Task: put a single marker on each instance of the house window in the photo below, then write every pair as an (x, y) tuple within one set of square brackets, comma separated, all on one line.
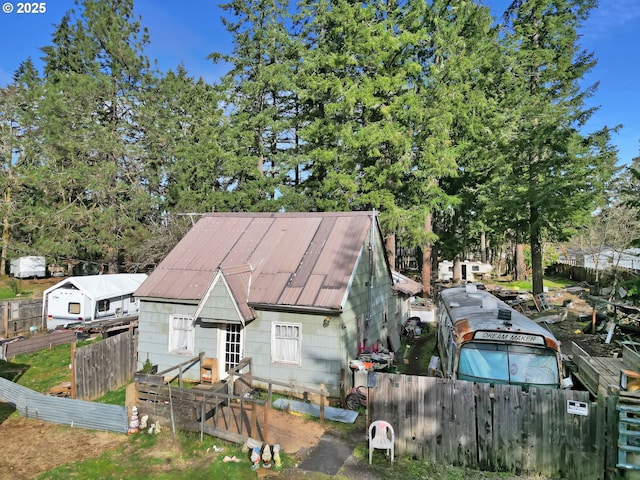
[(475, 268), (286, 343), (181, 330), (74, 308), (103, 305)]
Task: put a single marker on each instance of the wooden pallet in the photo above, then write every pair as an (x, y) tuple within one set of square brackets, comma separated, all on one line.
[(62, 390)]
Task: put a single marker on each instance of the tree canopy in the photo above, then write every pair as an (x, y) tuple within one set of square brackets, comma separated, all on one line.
[(453, 125)]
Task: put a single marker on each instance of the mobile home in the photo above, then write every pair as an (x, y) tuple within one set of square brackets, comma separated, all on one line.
[(79, 299)]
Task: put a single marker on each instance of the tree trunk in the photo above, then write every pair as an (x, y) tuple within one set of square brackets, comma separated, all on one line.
[(521, 267), (426, 260), (5, 230), (390, 247), (483, 247), (457, 271), (536, 261)]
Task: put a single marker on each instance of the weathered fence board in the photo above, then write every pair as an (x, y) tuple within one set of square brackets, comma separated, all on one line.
[(228, 416), (37, 343), (105, 365), (501, 428), (20, 317)]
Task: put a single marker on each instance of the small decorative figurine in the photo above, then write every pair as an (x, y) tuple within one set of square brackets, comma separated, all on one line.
[(255, 458), (276, 456), (266, 457)]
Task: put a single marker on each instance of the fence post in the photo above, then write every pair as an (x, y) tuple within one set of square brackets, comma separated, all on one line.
[(5, 319), (322, 397), (73, 370), (611, 433)]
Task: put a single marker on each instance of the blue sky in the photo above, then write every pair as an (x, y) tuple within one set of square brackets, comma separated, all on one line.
[(186, 32)]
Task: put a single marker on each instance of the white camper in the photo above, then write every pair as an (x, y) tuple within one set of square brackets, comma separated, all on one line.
[(79, 299), (471, 271), (28, 267)]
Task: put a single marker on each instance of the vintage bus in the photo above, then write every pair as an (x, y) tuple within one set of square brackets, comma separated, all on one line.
[(482, 339)]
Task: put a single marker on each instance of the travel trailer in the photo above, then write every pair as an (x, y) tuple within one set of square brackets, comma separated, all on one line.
[(470, 271), (80, 299), (28, 267)]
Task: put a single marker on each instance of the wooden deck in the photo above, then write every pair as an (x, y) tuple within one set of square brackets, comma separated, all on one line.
[(598, 374)]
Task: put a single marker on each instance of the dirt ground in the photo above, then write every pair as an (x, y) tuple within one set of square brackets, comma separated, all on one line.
[(31, 447)]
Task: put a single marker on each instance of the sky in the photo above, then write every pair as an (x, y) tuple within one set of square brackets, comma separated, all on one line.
[(186, 32)]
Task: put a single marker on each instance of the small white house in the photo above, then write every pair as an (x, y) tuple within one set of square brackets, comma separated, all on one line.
[(28, 267), (79, 299)]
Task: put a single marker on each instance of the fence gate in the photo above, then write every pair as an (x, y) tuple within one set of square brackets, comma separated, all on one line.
[(628, 437)]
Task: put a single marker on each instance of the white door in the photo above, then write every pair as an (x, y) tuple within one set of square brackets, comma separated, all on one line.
[(231, 347)]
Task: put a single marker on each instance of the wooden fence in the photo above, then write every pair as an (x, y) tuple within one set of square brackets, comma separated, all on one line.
[(555, 433), (37, 343), (104, 366), (225, 410), (213, 411), (591, 276), (21, 317)]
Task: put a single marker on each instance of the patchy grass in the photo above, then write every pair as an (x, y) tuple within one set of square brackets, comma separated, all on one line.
[(552, 283), (41, 370)]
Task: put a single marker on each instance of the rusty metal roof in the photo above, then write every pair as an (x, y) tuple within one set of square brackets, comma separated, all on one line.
[(301, 260), (405, 285)]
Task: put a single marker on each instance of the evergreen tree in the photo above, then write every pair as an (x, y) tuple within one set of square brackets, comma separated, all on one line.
[(17, 146), (260, 102), (195, 162), (555, 175), (89, 183)]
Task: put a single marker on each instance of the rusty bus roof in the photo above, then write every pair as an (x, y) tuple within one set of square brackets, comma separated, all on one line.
[(269, 259), (475, 309)]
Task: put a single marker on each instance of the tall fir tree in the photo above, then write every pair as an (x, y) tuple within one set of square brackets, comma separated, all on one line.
[(260, 101), (89, 178), (555, 175)]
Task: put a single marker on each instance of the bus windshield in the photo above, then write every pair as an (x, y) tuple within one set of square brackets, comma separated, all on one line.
[(504, 363)]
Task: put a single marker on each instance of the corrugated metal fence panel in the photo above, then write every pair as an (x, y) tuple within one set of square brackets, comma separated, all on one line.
[(66, 411)]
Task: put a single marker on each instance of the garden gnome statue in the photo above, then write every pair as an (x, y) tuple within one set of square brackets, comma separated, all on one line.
[(255, 458), (134, 423), (276, 456), (266, 457)]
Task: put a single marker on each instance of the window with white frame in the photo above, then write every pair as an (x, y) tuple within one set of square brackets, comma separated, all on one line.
[(286, 343), (181, 332)]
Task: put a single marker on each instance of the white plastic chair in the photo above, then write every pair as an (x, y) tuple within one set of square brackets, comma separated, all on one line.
[(382, 437)]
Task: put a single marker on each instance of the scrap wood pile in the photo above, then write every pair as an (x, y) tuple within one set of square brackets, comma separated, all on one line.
[(597, 323)]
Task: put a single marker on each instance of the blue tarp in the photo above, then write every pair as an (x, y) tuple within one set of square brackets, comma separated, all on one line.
[(330, 413)]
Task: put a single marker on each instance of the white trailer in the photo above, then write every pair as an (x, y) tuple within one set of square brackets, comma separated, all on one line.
[(471, 271), (28, 267), (80, 299)]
